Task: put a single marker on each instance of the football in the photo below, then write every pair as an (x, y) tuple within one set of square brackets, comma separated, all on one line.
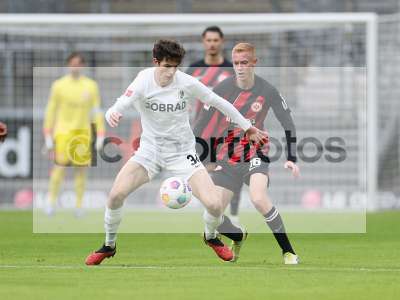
[(175, 192)]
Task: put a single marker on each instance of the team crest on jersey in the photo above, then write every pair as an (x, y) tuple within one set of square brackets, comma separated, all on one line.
[(181, 94), (256, 106)]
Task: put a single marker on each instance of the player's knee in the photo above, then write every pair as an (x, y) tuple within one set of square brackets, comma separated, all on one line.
[(215, 207), (57, 171), (258, 201), (58, 168), (116, 199)]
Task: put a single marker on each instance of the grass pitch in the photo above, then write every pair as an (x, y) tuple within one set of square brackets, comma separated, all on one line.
[(179, 266)]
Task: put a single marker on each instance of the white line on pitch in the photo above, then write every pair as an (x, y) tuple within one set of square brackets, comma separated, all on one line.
[(285, 268)]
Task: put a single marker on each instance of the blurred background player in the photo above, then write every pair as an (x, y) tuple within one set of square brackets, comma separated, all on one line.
[(3, 132), (211, 70), (73, 108), (253, 97), (214, 67)]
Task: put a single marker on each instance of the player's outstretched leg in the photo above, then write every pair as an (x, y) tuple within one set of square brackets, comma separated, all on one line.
[(205, 190), (131, 176), (275, 223), (259, 197)]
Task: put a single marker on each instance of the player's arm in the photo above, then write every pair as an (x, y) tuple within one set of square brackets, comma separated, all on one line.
[(284, 116), (97, 116), (50, 115), (126, 101), (200, 91)]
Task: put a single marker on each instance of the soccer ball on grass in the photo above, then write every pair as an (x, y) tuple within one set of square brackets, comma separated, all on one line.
[(175, 192)]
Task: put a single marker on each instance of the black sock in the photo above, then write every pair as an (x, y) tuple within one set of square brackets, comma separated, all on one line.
[(235, 204), (229, 230), (275, 223)]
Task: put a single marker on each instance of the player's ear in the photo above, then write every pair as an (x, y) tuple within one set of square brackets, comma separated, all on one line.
[(156, 62)]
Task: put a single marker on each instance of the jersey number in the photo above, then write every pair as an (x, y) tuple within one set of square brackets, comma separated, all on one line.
[(194, 159), (254, 163)]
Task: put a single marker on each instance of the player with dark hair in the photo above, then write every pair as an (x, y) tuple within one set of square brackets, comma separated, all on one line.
[(213, 68), (76, 56), (161, 95), (243, 163)]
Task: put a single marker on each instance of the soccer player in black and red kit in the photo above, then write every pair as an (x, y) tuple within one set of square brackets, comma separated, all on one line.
[(241, 162), (213, 68)]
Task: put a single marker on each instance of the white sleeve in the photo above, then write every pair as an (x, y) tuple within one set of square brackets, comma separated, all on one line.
[(207, 96), (133, 93)]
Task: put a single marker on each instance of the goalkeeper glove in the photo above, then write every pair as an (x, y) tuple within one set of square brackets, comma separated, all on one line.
[(48, 141)]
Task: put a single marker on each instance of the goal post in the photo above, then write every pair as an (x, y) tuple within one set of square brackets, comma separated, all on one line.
[(372, 111)]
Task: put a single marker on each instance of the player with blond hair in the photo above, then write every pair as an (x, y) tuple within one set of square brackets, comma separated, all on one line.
[(253, 97)]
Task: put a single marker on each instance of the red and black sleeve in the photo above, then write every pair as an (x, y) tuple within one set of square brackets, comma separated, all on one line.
[(283, 114)]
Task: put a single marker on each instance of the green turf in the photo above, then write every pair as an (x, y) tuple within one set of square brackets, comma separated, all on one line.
[(334, 266), (190, 221)]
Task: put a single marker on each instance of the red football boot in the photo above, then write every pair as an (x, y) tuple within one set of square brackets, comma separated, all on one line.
[(97, 257), (219, 248)]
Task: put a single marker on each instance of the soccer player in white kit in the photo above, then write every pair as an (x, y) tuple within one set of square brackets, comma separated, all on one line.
[(161, 95)]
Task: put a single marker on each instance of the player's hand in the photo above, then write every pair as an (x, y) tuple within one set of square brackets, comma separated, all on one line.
[(48, 147), (256, 136), (113, 118), (293, 167), (3, 132), (48, 142)]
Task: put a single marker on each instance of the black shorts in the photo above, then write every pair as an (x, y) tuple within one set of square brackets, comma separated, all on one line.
[(232, 177)]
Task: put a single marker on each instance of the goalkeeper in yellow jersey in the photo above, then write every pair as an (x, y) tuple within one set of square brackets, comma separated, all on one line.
[(74, 105)]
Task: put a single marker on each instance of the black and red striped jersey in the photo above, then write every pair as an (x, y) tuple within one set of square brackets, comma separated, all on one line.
[(209, 75), (254, 104)]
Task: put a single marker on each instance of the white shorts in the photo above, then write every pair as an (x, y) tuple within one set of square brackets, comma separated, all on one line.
[(182, 165)]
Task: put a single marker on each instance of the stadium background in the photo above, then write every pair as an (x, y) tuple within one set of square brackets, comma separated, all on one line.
[(294, 49)]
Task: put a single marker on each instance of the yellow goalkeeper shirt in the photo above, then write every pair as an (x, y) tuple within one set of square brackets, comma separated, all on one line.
[(74, 104)]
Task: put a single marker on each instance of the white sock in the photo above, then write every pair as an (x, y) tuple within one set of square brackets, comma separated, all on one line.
[(211, 224), (112, 219)]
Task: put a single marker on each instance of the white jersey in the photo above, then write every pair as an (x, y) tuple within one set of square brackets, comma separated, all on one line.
[(164, 110)]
